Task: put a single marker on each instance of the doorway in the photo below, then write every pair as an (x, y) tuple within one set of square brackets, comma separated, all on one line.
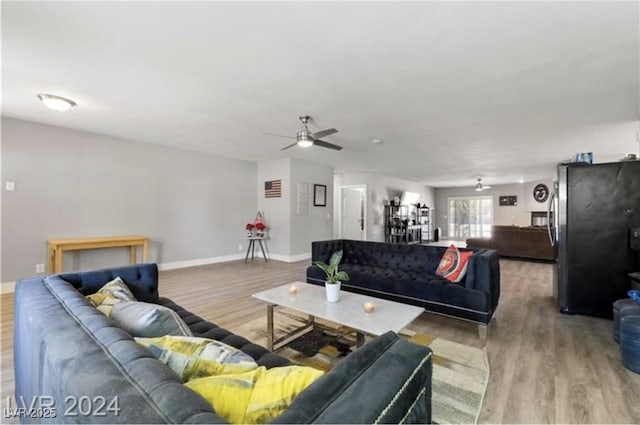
[(353, 202)]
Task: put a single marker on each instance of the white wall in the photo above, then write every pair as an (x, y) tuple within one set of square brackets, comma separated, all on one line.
[(290, 235), (71, 184), (519, 215), (379, 189)]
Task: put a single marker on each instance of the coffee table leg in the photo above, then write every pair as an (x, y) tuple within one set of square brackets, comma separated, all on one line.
[(270, 336), (359, 339)]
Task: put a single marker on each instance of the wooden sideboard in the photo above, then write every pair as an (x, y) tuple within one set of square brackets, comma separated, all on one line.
[(515, 241), (55, 248)]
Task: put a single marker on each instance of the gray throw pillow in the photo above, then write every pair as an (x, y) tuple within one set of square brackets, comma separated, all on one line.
[(148, 320)]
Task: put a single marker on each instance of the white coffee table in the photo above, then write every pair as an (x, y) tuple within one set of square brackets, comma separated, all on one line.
[(311, 300)]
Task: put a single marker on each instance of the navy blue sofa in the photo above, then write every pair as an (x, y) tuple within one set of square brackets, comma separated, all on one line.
[(65, 350), (406, 273)]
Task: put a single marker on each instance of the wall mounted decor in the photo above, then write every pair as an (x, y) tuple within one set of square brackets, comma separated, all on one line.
[(302, 201), (319, 195), (273, 189), (541, 192), (508, 201)]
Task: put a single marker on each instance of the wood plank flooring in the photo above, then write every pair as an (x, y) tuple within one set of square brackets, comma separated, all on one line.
[(545, 367)]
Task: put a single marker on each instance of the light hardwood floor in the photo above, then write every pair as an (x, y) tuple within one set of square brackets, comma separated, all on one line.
[(545, 367)]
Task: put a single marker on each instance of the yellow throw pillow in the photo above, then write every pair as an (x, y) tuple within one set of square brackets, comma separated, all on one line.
[(110, 294), (254, 397), (194, 357)]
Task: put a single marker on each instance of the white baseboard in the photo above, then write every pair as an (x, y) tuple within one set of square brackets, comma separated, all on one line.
[(199, 262), (290, 258), (7, 287)]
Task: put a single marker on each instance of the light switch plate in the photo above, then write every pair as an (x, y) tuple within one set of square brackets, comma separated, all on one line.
[(10, 186)]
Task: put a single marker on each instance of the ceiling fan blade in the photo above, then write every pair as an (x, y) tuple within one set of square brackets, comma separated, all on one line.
[(277, 135), (323, 133), (324, 144), (290, 146)]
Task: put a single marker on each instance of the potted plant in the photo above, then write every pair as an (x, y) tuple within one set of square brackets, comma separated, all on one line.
[(334, 276)]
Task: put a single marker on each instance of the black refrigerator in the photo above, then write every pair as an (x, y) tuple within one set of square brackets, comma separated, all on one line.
[(595, 207)]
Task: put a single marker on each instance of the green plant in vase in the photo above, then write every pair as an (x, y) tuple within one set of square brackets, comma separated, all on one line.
[(333, 276)]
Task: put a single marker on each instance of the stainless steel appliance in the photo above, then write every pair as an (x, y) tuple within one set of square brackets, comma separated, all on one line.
[(590, 213)]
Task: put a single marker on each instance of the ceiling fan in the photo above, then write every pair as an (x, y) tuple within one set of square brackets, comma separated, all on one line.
[(305, 138), (480, 187)]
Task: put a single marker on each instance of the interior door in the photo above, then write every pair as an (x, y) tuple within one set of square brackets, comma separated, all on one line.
[(353, 209)]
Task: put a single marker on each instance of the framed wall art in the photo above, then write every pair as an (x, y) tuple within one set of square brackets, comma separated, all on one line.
[(319, 195), (508, 201)]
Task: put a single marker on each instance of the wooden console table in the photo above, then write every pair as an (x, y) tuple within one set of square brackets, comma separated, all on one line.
[(55, 247)]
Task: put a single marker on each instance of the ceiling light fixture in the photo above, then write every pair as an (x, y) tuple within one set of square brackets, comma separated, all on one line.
[(304, 141), (57, 103), (304, 138), (376, 141)]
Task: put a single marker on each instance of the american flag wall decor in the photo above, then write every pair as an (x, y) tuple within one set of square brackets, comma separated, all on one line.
[(272, 189)]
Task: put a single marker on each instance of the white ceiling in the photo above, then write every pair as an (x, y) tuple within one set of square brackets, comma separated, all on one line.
[(455, 89)]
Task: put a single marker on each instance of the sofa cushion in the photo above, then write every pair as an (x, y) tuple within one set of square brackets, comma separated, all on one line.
[(148, 320), (257, 396), (192, 357), (206, 329), (109, 295), (453, 265)]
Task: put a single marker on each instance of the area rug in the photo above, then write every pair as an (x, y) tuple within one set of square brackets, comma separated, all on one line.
[(460, 372)]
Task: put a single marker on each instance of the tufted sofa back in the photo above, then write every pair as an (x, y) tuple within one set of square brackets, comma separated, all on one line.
[(411, 258), (141, 279)]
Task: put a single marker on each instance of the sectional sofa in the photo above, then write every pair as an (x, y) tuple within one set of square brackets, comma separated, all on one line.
[(66, 351), (406, 273)]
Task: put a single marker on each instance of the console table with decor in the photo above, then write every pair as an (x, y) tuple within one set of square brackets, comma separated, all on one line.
[(55, 248)]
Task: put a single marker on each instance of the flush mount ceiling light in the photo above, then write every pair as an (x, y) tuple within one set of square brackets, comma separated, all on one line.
[(57, 103), (377, 141)]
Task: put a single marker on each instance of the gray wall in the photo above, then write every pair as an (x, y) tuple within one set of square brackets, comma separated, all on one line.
[(289, 234), (77, 184), (276, 211), (317, 225), (379, 189), (519, 215)]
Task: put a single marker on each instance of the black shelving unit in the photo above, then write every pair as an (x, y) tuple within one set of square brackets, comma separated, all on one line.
[(424, 219), (399, 226)]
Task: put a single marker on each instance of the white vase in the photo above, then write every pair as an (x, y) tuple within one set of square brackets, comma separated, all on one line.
[(333, 291)]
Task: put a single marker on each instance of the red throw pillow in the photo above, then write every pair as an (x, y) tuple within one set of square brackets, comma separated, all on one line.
[(453, 265)]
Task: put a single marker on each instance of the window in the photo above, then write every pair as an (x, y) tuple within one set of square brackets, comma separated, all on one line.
[(470, 217)]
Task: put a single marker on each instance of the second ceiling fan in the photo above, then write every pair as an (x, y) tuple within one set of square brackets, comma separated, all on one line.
[(305, 138), (479, 186)]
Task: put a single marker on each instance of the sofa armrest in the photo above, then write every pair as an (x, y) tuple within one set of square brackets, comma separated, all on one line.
[(487, 275), (322, 250), (388, 381)]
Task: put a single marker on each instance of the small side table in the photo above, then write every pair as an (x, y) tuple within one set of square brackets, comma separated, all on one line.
[(252, 246)]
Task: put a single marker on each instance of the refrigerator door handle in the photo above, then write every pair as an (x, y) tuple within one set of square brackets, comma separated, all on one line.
[(549, 231)]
